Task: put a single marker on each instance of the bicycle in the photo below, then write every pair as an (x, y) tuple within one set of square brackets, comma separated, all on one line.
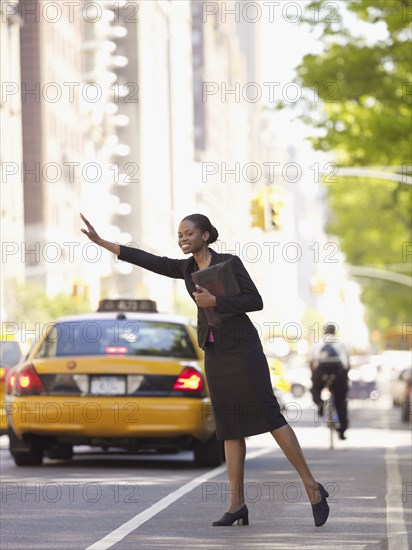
[(329, 408)]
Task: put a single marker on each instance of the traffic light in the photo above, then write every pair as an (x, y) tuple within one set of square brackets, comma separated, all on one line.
[(80, 290), (277, 207), (257, 211), (317, 285)]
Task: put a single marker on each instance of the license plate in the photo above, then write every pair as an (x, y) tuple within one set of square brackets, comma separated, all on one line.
[(108, 385)]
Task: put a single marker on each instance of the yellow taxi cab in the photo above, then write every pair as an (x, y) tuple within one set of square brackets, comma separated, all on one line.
[(278, 374), (124, 377), (10, 355)]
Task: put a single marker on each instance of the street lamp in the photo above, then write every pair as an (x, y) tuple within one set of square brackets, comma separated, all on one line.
[(370, 172), (361, 271)]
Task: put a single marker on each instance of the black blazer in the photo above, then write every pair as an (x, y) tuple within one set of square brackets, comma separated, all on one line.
[(231, 333)]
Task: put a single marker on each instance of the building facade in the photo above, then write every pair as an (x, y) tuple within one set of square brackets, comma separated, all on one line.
[(53, 142), (11, 156)]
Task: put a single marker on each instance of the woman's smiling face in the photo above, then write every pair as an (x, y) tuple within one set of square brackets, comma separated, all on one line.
[(190, 238)]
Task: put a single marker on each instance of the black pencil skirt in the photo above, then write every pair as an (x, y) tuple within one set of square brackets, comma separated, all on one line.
[(241, 392)]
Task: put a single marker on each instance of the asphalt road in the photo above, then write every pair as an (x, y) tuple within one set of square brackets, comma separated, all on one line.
[(128, 502)]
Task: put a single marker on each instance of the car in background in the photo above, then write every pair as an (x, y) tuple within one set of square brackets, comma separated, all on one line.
[(289, 370), (363, 379), (392, 363), (298, 374), (10, 355), (401, 389), (280, 385), (278, 374), (300, 380), (125, 377)]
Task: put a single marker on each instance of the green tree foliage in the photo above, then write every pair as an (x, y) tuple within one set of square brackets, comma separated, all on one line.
[(29, 304), (363, 115)]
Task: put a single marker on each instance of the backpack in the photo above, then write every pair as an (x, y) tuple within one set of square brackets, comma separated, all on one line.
[(328, 354)]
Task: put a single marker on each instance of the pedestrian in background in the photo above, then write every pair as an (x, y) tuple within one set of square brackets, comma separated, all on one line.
[(236, 368), (331, 357)]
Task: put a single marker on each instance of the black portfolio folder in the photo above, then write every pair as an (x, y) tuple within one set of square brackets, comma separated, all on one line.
[(219, 280)]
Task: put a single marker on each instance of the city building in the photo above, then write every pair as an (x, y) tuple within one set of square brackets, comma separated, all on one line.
[(227, 117), (187, 150), (221, 123), (53, 142), (155, 116), (104, 149), (70, 144), (12, 225)]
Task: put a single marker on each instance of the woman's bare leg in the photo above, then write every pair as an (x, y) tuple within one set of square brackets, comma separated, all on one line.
[(287, 441), (235, 451)]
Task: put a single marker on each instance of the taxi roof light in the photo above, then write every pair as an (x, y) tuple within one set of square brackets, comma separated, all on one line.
[(145, 305)]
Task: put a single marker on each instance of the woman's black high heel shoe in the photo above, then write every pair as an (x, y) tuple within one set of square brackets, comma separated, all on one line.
[(241, 516), (320, 510)]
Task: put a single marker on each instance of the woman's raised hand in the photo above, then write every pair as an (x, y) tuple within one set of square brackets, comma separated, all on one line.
[(90, 232), (94, 237)]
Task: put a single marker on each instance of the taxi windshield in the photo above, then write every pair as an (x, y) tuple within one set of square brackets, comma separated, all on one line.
[(117, 337)]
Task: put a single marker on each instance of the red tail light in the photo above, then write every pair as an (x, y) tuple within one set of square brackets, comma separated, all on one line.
[(189, 380), (27, 382), (10, 383), (3, 372)]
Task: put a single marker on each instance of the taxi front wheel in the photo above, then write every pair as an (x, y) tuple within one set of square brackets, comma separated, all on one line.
[(24, 453), (209, 454)]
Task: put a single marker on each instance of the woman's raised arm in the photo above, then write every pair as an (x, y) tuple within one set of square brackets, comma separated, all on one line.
[(158, 264)]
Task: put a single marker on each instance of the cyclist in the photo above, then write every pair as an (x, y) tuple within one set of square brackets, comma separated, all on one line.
[(331, 357)]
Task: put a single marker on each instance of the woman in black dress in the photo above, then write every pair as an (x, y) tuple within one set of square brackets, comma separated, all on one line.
[(236, 368)]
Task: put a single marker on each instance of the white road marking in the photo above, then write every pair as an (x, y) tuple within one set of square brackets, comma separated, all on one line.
[(395, 514), (121, 532)]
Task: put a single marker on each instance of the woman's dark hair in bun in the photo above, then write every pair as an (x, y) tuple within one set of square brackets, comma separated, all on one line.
[(203, 223)]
